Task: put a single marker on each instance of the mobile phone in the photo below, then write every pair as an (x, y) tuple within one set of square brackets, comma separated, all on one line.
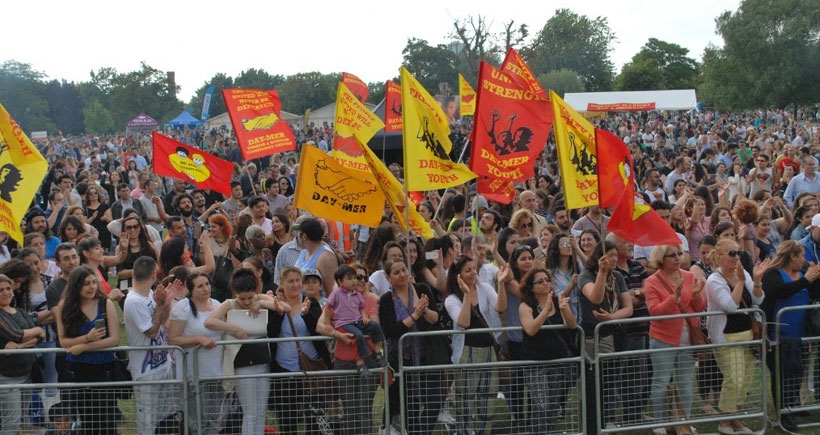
[(99, 324), (431, 255)]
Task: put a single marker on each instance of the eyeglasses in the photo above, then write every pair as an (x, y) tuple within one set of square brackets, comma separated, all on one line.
[(673, 255), (527, 225), (733, 253), (542, 281), (131, 227), (361, 277)]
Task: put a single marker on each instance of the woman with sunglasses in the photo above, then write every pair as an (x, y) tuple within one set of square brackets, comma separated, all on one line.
[(729, 289), (134, 231), (564, 268), (98, 214), (669, 291), (523, 222), (603, 297)]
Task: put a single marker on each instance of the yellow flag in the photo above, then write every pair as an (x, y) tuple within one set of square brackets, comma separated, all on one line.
[(329, 190), (575, 143), (352, 116), (395, 195), (22, 169), (426, 137), (466, 94)]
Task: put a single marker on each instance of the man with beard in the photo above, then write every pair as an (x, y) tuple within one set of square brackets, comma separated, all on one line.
[(258, 206), (170, 197), (561, 218), (37, 222), (489, 224), (184, 206)]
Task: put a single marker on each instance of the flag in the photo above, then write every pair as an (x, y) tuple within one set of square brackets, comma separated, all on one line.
[(177, 160), (206, 103), (495, 189), (466, 94), (392, 107), (632, 219), (329, 190), (615, 168), (356, 86), (394, 193), (426, 139), (575, 145), (511, 127), (255, 116), (352, 116), (515, 67), (22, 169)]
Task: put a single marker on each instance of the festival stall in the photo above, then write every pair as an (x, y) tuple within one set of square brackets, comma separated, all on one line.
[(141, 123)]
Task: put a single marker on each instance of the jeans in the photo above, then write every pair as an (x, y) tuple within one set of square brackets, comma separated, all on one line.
[(679, 362), (210, 401), (473, 390), (359, 329), (545, 384), (154, 402), (50, 369), (253, 396), (357, 394), (10, 405)]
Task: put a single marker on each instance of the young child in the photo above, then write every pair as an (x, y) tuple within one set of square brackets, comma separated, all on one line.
[(59, 420), (312, 282), (349, 314)]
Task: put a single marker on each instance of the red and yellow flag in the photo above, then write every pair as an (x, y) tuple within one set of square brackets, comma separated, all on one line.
[(22, 169), (575, 145), (329, 190), (515, 67), (352, 117), (356, 85), (392, 107), (511, 127), (255, 116), (467, 96), (426, 138), (614, 167), (177, 160), (495, 189)]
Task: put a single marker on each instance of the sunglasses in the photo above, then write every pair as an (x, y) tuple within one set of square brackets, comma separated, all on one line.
[(131, 227), (527, 225), (565, 244), (733, 253), (522, 248), (542, 281), (361, 277), (673, 255)]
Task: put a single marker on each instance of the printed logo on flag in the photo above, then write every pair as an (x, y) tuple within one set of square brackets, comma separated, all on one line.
[(193, 167), (336, 185)]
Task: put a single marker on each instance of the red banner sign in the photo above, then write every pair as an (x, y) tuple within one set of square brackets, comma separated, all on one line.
[(620, 107), (255, 116)]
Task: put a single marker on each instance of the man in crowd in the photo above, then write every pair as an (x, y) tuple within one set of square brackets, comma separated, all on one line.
[(152, 204), (316, 254), (258, 206), (125, 202), (808, 180)]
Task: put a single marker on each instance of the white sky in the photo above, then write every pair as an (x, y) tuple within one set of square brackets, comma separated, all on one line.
[(66, 40)]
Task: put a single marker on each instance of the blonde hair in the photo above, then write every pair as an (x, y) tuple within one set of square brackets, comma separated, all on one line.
[(658, 253), (722, 247)]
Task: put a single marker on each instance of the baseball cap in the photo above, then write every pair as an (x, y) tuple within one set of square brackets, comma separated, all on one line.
[(815, 222), (312, 272)]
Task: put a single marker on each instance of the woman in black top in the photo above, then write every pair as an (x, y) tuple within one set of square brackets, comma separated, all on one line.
[(541, 307), (138, 246)]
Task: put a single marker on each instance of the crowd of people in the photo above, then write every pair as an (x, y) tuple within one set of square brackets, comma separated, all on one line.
[(108, 242)]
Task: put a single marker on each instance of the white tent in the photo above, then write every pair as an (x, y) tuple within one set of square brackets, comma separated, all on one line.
[(680, 99)]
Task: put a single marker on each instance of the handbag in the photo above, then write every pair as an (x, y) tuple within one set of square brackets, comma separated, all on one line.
[(505, 374), (696, 335), (308, 364), (221, 277), (813, 319), (756, 325)]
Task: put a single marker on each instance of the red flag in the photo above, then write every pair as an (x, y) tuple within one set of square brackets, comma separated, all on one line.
[(416, 196), (256, 119), (615, 168), (518, 70), (392, 107), (177, 160), (511, 127), (495, 189), (356, 86), (632, 219)]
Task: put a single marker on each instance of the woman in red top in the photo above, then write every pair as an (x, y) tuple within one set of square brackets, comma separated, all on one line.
[(670, 291)]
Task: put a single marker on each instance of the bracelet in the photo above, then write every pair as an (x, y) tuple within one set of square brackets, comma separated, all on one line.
[(758, 284)]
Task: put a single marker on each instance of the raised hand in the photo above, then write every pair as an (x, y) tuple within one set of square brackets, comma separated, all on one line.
[(503, 273), (563, 300)]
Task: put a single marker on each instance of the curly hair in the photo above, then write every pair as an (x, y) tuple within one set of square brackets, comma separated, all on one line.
[(746, 211)]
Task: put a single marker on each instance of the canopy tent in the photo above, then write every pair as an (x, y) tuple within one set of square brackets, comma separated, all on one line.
[(184, 119), (142, 122), (631, 101)]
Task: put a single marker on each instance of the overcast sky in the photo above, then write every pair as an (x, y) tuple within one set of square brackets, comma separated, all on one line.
[(66, 40)]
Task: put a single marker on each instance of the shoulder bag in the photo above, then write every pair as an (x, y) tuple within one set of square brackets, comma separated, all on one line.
[(505, 374), (306, 363), (696, 335)]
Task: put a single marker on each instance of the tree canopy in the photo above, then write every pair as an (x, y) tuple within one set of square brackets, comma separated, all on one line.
[(659, 65)]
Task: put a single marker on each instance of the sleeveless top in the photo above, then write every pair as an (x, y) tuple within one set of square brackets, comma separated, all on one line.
[(95, 357)]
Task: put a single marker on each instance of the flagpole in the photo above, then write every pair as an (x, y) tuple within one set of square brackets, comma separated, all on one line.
[(460, 158)]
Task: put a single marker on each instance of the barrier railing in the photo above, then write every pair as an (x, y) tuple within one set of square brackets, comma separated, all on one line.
[(339, 400), (542, 396), (98, 404), (796, 360), (665, 375)]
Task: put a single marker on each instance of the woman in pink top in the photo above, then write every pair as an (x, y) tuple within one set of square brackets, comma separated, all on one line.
[(670, 291)]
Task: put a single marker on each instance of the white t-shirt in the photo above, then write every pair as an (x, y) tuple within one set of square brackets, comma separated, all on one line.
[(210, 360), (139, 313), (380, 283), (487, 297)]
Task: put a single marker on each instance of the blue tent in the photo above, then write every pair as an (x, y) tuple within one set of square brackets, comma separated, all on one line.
[(182, 120)]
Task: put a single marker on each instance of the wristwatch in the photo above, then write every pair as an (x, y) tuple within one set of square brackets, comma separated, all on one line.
[(637, 293)]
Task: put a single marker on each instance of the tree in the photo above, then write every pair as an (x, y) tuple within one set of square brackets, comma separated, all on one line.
[(562, 81), (478, 43), (98, 119), (219, 81), (65, 106), (430, 65), (21, 93), (377, 91), (311, 90), (770, 55), (574, 42), (659, 65)]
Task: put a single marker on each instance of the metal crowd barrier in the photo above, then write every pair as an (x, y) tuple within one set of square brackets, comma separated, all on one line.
[(334, 401), (796, 390), (483, 396), (86, 407), (624, 380)]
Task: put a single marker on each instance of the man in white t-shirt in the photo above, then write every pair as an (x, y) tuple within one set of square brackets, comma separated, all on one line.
[(146, 312)]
